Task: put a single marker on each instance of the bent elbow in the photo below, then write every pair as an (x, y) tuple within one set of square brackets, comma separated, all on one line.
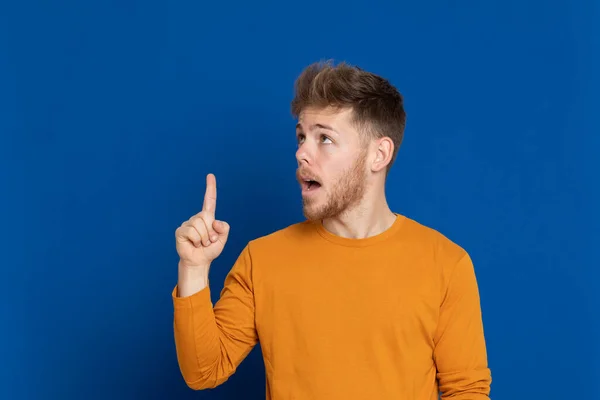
[(200, 384), (473, 384), (206, 379)]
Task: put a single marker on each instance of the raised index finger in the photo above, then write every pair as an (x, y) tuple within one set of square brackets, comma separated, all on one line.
[(210, 197)]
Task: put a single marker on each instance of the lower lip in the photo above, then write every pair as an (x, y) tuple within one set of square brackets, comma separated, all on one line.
[(311, 191)]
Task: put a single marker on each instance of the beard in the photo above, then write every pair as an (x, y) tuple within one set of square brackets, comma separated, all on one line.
[(344, 194)]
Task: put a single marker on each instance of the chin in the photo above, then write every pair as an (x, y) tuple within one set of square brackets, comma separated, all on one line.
[(318, 212), (311, 211)]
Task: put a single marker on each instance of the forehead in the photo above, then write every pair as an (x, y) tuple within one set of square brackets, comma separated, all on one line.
[(338, 120)]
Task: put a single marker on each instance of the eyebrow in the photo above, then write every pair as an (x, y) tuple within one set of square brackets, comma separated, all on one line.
[(314, 126)]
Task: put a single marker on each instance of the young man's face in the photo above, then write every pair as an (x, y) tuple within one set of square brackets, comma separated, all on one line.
[(330, 152)]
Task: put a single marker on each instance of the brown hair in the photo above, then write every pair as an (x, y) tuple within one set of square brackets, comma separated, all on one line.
[(378, 107)]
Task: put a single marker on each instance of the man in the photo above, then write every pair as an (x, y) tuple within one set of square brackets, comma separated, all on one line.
[(356, 302)]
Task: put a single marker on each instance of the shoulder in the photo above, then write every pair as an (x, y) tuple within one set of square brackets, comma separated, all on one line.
[(438, 251), (431, 240)]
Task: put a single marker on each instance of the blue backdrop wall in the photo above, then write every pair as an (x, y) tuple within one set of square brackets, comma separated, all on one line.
[(112, 114)]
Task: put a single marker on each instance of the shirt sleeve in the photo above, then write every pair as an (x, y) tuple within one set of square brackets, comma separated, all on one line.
[(460, 350), (210, 341)]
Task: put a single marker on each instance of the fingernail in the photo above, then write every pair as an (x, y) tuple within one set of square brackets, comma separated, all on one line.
[(214, 238)]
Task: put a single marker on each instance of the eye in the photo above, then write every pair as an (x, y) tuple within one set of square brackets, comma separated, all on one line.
[(324, 137)]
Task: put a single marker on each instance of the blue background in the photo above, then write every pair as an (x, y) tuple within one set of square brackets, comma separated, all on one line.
[(112, 114)]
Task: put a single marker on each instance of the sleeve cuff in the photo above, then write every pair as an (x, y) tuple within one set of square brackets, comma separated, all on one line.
[(197, 300)]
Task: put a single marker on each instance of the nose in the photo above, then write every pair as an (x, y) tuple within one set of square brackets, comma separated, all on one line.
[(303, 155)]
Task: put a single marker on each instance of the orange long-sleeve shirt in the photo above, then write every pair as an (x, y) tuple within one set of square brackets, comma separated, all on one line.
[(393, 316)]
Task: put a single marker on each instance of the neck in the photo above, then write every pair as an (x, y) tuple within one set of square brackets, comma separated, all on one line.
[(369, 218)]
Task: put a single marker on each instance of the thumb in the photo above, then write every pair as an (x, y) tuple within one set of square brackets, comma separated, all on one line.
[(221, 227)]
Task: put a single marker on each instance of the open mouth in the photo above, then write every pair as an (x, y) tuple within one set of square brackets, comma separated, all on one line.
[(310, 185)]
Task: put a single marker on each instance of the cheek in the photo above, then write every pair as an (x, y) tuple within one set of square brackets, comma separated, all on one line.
[(334, 171), (333, 163)]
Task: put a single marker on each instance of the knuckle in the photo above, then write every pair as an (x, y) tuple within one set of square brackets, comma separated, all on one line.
[(201, 228), (185, 232), (196, 221), (202, 217)]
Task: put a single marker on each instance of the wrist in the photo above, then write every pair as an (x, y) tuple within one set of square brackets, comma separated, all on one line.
[(191, 279)]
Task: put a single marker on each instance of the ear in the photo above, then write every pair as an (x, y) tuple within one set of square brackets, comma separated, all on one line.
[(384, 149)]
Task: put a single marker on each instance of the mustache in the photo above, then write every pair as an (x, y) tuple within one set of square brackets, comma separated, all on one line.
[(303, 172)]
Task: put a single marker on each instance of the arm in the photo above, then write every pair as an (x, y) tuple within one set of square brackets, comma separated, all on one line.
[(460, 350), (212, 342)]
